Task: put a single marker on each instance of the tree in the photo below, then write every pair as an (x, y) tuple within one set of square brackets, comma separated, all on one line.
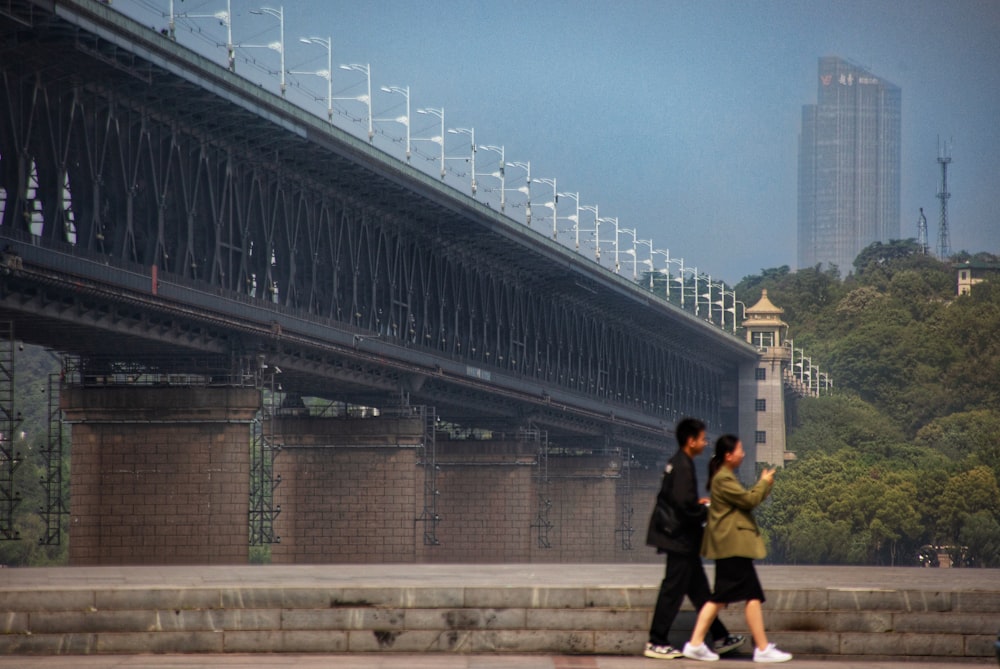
[(878, 254), (980, 533), (969, 492)]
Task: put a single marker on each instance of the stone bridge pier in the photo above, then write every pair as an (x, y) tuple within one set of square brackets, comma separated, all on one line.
[(160, 475), (366, 490)]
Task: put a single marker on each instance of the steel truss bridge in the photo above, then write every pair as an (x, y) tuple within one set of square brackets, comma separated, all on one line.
[(158, 209)]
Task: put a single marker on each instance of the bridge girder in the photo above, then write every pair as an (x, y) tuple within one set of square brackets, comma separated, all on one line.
[(120, 150)]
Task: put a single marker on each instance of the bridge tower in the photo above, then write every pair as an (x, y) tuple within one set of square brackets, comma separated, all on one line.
[(762, 387)]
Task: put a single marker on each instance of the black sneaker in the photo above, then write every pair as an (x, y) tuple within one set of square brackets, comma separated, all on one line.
[(665, 652), (729, 644)]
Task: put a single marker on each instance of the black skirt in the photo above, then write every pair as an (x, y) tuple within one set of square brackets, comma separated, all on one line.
[(736, 581)]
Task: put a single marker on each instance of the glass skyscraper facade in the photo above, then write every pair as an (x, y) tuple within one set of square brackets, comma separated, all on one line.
[(849, 156)]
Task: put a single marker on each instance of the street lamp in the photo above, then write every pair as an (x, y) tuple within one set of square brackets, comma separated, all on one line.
[(613, 220), (367, 98), (405, 120), (708, 296), (666, 267), (325, 74), (471, 132), (632, 252), (649, 261), (278, 46), (171, 23), (732, 309), (553, 205), (720, 303), (574, 217), (597, 229), (224, 17), (499, 174), (526, 189), (437, 139), (680, 279)]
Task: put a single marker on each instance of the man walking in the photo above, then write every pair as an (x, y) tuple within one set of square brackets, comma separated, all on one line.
[(682, 543)]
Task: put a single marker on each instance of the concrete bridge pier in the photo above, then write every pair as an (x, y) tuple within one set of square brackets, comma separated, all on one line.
[(160, 475)]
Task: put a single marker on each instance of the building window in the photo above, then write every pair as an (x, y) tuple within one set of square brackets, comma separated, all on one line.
[(965, 275), (760, 404), (760, 437), (762, 339), (760, 374)]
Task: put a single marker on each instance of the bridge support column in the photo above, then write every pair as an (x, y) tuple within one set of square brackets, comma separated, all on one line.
[(351, 489), (160, 475)]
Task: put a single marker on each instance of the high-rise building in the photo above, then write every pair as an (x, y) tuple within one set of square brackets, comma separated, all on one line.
[(849, 155)]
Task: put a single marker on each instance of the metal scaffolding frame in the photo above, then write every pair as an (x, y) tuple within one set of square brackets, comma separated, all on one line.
[(427, 458), (626, 529), (55, 506), (543, 525), (10, 458), (264, 449)]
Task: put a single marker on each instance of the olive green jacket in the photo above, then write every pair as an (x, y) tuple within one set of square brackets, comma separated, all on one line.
[(731, 529)]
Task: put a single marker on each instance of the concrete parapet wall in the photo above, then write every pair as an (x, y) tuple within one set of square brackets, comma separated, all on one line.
[(912, 615), (159, 475)]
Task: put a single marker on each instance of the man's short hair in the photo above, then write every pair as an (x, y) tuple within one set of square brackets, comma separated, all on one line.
[(687, 429)]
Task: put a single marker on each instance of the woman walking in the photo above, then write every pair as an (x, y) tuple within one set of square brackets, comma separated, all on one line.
[(733, 541)]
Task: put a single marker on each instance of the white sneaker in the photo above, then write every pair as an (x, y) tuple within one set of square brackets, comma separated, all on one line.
[(701, 652), (770, 654)]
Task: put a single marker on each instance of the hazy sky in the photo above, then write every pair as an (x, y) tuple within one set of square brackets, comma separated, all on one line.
[(681, 118)]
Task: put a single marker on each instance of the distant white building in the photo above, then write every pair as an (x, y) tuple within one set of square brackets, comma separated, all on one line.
[(970, 273)]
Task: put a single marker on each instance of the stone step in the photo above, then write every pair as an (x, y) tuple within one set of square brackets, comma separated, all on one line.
[(271, 610)]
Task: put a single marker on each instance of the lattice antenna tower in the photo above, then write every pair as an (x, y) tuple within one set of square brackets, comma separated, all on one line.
[(944, 242), (922, 233)]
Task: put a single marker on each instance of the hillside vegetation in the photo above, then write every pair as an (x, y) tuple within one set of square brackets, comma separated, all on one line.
[(904, 457)]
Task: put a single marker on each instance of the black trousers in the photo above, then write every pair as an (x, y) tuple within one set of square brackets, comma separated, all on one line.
[(685, 576)]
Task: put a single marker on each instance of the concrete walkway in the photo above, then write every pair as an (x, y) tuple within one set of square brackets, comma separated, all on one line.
[(777, 577), (433, 661)]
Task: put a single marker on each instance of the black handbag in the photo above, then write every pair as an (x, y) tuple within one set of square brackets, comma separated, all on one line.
[(665, 518)]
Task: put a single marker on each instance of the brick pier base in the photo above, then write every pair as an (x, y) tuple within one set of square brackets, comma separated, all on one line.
[(353, 491), (159, 475)]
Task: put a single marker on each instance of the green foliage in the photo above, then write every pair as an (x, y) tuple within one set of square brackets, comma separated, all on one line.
[(32, 368), (907, 452)]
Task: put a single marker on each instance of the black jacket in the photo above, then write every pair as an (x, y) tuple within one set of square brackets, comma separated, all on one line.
[(679, 490)]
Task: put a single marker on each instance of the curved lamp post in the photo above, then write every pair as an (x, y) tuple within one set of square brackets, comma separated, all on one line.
[(278, 46), (499, 174), (630, 252), (404, 120), (325, 74), (575, 217), (553, 205), (437, 139), (367, 99), (526, 189), (596, 230), (224, 17), (471, 132), (648, 262)]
